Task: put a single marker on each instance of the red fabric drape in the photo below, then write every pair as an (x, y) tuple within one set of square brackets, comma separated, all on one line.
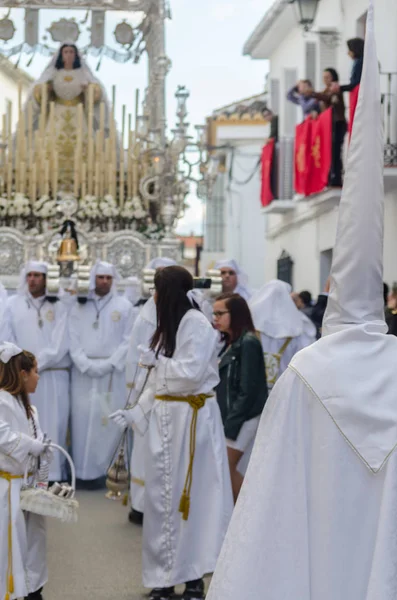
[(353, 105), (267, 162), (313, 154), (302, 156), (320, 153)]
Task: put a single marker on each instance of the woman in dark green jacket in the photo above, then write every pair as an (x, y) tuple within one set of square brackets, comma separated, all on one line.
[(242, 391)]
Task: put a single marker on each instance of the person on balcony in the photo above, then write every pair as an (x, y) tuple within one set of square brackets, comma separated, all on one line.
[(329, 98), (302, 95), (356, 52)]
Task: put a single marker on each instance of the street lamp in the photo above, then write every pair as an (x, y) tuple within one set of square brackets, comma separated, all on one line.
[(307, 12)]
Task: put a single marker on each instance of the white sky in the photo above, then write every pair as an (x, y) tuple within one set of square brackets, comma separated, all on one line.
[(204, 42)]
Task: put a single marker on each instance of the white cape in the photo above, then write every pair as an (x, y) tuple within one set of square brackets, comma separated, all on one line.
[(312, 521)]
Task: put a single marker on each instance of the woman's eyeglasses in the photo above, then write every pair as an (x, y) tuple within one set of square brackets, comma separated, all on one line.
[(218, 313)]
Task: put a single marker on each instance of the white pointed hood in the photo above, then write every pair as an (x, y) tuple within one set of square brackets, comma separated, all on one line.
[(352, 369), (274, 312), (357, 269)]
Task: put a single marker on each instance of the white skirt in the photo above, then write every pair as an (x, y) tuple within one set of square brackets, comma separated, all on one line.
[(245, 437)]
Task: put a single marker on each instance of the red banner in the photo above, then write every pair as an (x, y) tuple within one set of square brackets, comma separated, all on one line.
[(267, 162), (353, 105), (302, 156), (320, 153), (313, 154)]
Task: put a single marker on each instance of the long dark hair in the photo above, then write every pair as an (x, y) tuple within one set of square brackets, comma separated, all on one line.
[(11, 379), (356, 46), (333, 72), (172, 285), (240, 316), (77, 62)]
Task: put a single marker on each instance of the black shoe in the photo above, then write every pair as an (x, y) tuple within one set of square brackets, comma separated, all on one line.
[(35, 595), (194, 590), (162, 593), (135, 517)]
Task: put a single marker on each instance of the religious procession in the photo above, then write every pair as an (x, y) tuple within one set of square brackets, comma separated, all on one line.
[(177, 419)]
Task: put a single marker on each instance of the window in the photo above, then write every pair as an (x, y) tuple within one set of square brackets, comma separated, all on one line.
[(361, 25), (275, 96), (290, 112), (327, 55), (311, 62), (285, 266)]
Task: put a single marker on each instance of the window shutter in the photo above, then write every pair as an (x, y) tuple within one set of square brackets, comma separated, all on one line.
[(290, 79), (327, 55), (275, 96), (311, 62)]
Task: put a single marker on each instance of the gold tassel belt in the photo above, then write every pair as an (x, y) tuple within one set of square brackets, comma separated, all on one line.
[(10, 578), (196, 402)]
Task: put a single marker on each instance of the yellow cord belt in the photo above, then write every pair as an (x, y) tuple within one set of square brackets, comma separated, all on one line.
[(196, 402), (10, 578)]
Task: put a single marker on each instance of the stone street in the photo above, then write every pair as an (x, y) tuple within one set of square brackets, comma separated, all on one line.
[(99, 557)]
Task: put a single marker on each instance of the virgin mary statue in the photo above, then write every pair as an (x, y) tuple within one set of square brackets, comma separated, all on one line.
[(67, 78)]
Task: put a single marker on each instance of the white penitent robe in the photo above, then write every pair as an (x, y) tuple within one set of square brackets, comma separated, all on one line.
[(312, 520), (49, 344), (98, 379), (142, 333), (273, 347), (175, 550), (29, 568)]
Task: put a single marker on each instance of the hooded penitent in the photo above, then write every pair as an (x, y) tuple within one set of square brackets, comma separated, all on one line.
[(242, 278), (104, 268), (32, 266), (352, 368), (274, 312)]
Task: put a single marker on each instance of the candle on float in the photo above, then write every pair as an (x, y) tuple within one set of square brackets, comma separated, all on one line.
[(129, 165), (121, 178), (22, 177), (30, 129), (43, 112), (136, 108), (55, 176), (96, 192), (102, 124), (123, 126), (33, 184), (9, 181), (3, 152), (46, 178), (83, 180), (90, 165), (52, 130)]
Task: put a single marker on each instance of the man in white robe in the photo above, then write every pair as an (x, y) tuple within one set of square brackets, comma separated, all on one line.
[(316, 515), (37, 323), (99, 332), (280, 325), (142, 333), (234, 279)]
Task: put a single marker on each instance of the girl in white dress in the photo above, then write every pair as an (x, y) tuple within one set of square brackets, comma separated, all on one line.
[(188, 496), (23, 569)]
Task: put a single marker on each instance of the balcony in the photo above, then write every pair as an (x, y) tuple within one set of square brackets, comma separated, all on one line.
[(286, 200)]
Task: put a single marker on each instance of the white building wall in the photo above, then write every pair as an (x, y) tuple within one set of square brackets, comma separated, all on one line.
[(307, 233), (9, 92), (244, 223)]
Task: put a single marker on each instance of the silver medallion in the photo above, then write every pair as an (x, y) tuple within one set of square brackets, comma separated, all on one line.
[(95, 325), (40, 322)]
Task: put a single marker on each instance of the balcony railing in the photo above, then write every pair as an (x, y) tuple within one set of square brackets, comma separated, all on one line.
[(389, 106)]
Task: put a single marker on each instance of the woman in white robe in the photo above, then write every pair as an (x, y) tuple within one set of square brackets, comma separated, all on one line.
[(23, 568), (181, 545)]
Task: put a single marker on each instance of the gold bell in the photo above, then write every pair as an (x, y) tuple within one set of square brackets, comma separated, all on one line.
[(117, 480), (68, 251)]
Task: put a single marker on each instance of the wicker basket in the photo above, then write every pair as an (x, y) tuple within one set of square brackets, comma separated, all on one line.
[(44, 502)]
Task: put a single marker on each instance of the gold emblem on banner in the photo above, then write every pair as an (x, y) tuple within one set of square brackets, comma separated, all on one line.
[(116, 316), (50, 316), (301, 158), (316, 152)]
